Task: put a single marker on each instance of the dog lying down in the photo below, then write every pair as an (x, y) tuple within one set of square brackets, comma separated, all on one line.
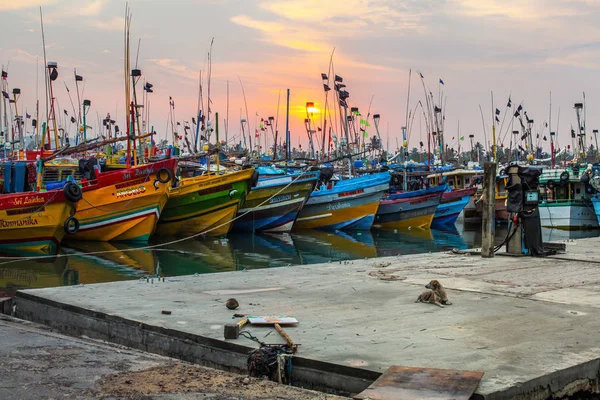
[(435, 294)]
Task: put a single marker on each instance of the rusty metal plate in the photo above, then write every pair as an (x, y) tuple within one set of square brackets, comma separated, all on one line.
[(422, 383)]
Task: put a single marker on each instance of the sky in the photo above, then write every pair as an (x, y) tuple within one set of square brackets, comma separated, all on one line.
[(485, 51)]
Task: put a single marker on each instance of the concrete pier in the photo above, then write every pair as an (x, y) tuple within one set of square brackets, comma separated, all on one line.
[(530, 324)]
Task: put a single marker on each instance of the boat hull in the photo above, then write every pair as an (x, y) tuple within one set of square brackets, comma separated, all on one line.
[(352, 210), (33, 223), (123, 205), (408, 212), (596, 204), (568, 216), (204, 205), (273, 208), (450, 207)]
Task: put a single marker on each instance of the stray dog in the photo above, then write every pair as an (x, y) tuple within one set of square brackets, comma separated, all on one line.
[(435, 294)]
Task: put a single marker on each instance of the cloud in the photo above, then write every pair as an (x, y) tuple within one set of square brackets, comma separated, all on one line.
[(11, 5), (174, 66), (92, 9), (113, 24), (18, 55), (106, 51), (265, 26), (536, 10)]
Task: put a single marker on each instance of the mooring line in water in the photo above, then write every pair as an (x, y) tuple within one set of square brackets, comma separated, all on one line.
[(150, 247)]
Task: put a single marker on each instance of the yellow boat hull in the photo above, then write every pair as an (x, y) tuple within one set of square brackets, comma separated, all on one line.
[(37, 228), (126, 209), (422, 222), (337, 217)]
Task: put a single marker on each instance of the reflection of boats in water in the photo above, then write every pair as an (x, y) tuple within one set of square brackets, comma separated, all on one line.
[(321, 246), (31, 274), (549, 234), (393, 243), (195, 256), (236, 252), (108, 261)]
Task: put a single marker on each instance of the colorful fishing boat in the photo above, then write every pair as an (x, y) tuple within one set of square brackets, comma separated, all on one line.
[(205, 204), (567, 199), (34, 222), (349, 204), (452, 204), (411, 209), (273, 205), (122, 205), (461, 189)]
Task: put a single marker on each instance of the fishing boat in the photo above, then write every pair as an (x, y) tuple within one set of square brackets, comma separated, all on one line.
[(410, 209), (205, 204), (461, 189), (349, 204), (274, 204), (567, 199), (34, 222), (122, 205)]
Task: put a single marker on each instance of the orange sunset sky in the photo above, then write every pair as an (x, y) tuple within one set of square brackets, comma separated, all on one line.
[(521, 49)]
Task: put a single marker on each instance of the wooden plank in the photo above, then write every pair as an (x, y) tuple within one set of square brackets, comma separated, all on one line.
[(422, 383), (272, 320)]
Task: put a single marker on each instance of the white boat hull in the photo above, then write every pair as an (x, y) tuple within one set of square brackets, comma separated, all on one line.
[(568, 216)]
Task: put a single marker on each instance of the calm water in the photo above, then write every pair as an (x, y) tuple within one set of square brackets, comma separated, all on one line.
[(74, 265)]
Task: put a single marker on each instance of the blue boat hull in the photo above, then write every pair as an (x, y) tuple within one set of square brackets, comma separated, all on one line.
[(596, 203), (447, 213)]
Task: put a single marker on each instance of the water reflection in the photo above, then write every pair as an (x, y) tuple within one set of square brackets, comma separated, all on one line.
[(108, 262), (112, 262)]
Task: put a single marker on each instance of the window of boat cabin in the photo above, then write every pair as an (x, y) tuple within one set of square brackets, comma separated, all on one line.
[(467, 181)]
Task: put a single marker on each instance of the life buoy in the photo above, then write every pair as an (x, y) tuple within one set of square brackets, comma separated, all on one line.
[(564, 177), (254, 178), (164, 175), (550, 184), (72, 192), (71, 225)]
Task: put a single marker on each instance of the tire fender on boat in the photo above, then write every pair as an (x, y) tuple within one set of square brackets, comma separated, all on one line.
[(72, 192), (71, 225), (164, 175), (564, 177), (254, 178)]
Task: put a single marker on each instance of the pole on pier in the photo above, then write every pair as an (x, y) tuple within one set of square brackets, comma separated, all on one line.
[(488, 222)]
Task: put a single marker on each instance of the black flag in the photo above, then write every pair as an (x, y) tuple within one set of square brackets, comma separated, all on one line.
[(509, 104), (497, 112)]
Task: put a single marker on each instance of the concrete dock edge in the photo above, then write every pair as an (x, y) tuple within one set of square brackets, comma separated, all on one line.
[(76, 321)]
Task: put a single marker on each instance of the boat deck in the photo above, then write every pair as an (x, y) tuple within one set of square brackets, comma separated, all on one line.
[(530, 324)]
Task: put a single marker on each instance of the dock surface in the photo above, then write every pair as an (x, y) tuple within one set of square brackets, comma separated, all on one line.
[(530, 324)]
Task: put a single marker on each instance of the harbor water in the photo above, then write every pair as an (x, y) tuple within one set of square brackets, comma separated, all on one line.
[(95, 262)]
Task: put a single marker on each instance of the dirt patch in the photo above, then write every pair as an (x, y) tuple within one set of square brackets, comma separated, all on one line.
[(386, 275), (180, 378)]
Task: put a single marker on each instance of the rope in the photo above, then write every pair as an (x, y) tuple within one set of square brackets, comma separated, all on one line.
[(155, 246)]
